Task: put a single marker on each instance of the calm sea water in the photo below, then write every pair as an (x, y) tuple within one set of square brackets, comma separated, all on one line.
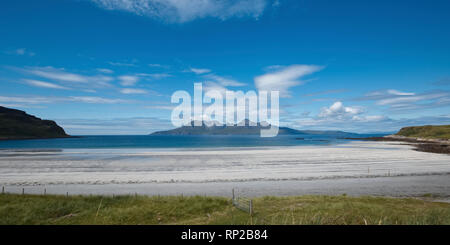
[(147, 141)]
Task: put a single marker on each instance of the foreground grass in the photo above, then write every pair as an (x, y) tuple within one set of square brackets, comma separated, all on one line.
[(50, 209)]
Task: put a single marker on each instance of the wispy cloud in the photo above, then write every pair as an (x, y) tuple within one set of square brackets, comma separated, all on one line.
[(411, 99), (224, 81), (21, 52), (26, 100), (121, 64), (50, 100), (213, 86), (199, 71), (43, 84), (396, 92), (154, 75), (284, 78), (407, 101), (104, 70), (56, 74), (72, 79), (158, 66), (95, 100), (161, 107), (128, 80), (133, 91), (179, 11)]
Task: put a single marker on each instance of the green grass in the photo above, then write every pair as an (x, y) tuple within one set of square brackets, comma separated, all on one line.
[(435, 132), (51, 209)]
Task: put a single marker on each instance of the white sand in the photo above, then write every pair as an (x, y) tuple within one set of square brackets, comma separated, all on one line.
[(381, 168)]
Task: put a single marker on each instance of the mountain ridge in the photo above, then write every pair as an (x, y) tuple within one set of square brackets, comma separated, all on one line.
[(246, 129)]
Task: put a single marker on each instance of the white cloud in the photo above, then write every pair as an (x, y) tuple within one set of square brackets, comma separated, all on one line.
[(338, 110), (180, 11), (133, 91), (128, 80), (355, 119), (285, 78), (199, 71), (339, 117), (43, 84)]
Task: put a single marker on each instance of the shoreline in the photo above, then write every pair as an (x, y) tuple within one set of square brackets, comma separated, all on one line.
[(38, 138), (420, 144)]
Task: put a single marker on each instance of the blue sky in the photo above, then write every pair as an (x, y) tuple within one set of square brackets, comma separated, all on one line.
[(110, 66)]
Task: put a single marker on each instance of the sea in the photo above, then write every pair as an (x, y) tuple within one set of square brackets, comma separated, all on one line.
[(177, 141)]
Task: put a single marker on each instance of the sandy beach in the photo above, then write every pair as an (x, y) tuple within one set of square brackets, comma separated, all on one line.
[(355, 168)]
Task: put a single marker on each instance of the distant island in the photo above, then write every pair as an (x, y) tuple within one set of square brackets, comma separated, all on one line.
[(244, 130), (17, 124)]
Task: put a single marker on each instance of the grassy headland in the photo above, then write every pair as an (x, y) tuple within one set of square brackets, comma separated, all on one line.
[(430, 132), (435, 139), (341, 210)]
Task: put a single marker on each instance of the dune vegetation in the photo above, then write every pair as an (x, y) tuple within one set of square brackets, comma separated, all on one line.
[(324, 210)]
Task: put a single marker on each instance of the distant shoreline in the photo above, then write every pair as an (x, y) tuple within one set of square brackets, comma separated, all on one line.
[(421, 144), (39, 138)]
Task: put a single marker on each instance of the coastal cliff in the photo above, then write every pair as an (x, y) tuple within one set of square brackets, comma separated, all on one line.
[(17, 124)]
